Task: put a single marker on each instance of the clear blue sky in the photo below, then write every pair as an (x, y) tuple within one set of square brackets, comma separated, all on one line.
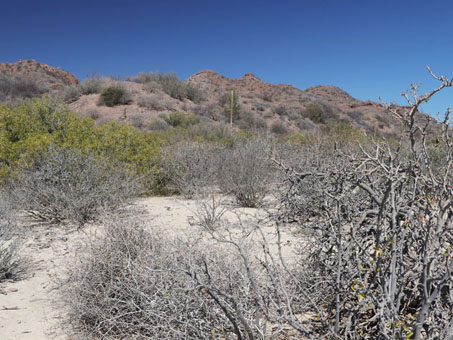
[(368, 48)]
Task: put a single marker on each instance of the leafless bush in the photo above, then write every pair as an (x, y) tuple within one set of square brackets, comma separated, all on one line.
[(12, 87), (251, 121), (137, 285), (93, 84), (191, 167), (209, 212), (63, 184), (279, 128), (70, 93), (379, 261), (12, 264), (158, 125), (244, 173), (137, 120), (94, 114), (151, 103)]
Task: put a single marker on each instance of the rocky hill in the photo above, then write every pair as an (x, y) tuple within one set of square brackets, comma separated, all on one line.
[(29, 78), (51, 77), (279, 108)]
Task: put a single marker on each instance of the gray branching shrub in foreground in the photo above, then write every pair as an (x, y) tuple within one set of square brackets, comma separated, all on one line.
[(12, 265), (64, 184), (137, 285), (379, 264)]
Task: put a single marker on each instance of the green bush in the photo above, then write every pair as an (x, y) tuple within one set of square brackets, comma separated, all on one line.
[(321, 113), (27, 130), (114, 95), (194, 94), (315, 113)]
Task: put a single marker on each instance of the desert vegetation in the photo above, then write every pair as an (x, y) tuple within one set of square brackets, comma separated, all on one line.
[(171, 85), (370, 222), (12, 264)]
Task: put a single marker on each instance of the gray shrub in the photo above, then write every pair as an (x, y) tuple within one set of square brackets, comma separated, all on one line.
[(63, 184)]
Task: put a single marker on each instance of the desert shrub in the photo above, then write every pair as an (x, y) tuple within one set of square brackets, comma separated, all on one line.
[(114, 95), (251, 121), (172, 86), (214, 132), (143, 78), (12, 87), (378, 265), (281, 110), (244, 173), (94, 114), (12, 264), (179, 119), (355, 115), (137, 120), (137, 284), (267, 97), (194, 94), (151, 103), (92, 85), (29, 128), (152, 87), (383, 120), (191, 167), (279, 128), (70, 93), (126, 147), (158, 125), (260, 107), (63, 184), (315, 113), (304, 124)]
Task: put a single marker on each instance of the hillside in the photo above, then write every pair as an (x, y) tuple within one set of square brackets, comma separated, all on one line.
[(29, 78), (279, 108)]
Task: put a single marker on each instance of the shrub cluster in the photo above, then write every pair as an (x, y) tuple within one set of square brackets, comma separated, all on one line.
[(239, 169), (136, 284), (92, 85), (320, 113), (63, 184), (172, 85), (17, 87)]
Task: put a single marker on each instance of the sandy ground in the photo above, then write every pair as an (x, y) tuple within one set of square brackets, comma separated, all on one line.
[(27, 308)]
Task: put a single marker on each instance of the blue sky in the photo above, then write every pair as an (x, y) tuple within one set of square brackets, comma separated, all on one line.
[(368, 48)]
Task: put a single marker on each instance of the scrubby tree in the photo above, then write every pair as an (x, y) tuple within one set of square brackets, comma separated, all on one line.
[(379, 261)]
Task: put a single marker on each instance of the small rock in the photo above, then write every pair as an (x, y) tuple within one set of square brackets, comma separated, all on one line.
[(13, 290)]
